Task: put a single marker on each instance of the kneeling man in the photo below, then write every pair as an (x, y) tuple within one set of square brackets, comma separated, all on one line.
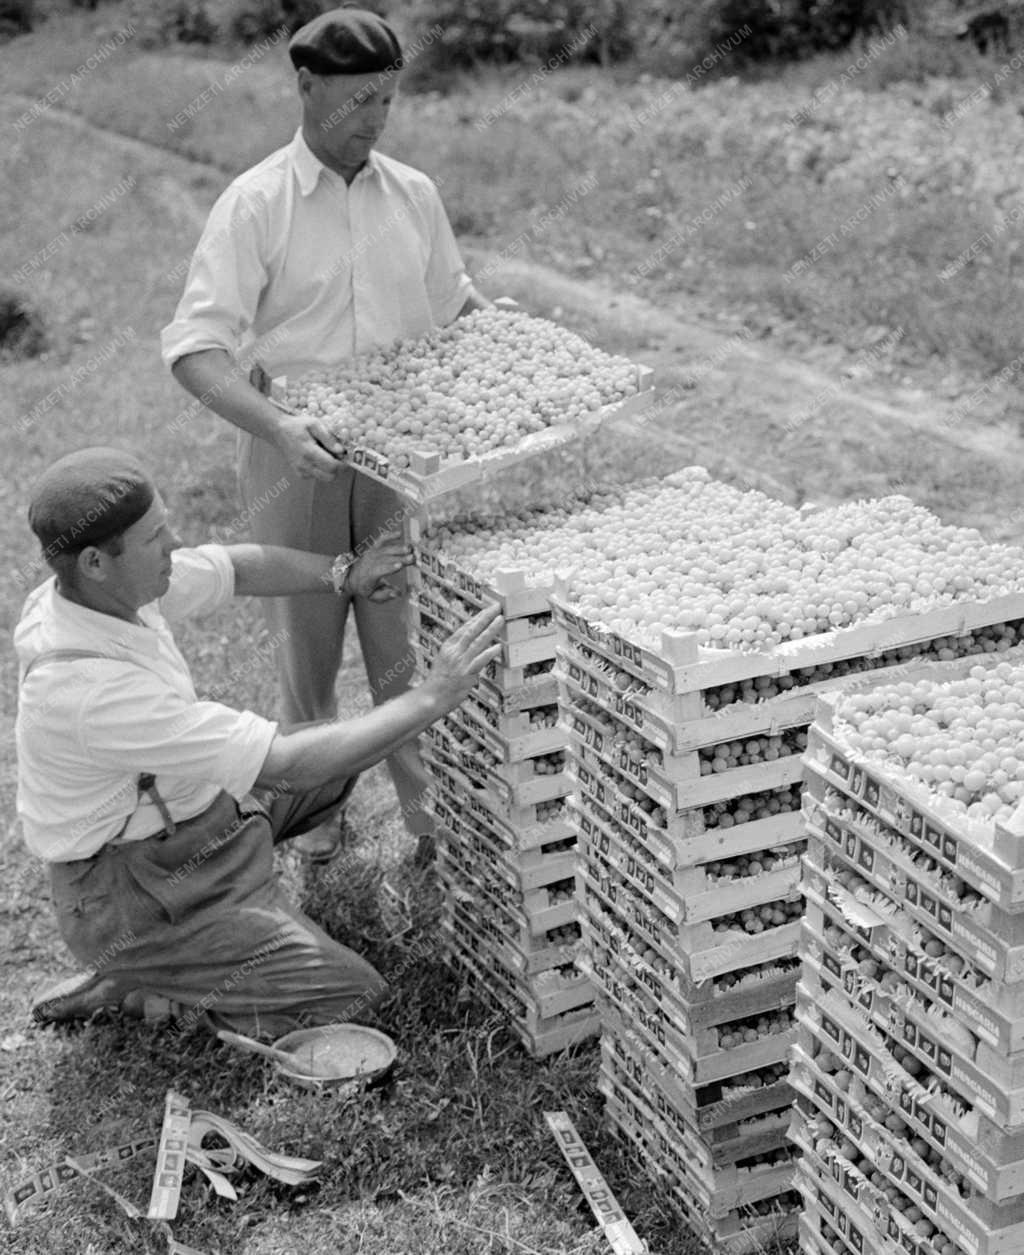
[(157, 811)]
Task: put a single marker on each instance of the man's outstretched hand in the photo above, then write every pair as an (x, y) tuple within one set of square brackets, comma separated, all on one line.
[(368, 577), (456, 669)]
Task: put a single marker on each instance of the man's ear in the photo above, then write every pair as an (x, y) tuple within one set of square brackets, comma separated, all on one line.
[(89, 565), (306, 80)]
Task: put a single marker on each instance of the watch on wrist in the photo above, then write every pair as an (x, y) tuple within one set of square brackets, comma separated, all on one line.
[(340, 568)]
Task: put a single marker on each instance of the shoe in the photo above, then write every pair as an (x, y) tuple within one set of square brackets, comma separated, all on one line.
[(82, 996), (151, 1008), (76, 997), (324, 842)]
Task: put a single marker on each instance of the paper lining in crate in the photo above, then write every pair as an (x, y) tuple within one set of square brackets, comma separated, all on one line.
[(413, 452)]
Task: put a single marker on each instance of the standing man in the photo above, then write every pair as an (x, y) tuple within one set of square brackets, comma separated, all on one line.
[(324, 250), (156, 812)]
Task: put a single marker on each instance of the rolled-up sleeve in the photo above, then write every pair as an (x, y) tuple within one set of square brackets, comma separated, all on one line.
[(132, 723), (202, 580), (227, 275), (446, 280)]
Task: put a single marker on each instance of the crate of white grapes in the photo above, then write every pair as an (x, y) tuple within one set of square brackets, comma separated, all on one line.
[(714, 611), (454, 407), (909, 1068)]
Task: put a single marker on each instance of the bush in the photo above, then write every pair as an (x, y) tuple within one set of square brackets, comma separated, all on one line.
[(22, 330), (164, 22), (766, 30), (476, 32), (16, 17), (250, 20)]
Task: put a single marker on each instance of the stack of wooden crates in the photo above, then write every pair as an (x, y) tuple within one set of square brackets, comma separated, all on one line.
[(506, 854), (689, 881), (909, 1065)]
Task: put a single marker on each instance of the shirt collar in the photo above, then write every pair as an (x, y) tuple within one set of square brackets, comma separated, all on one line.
[(78, 627), (308, 168)]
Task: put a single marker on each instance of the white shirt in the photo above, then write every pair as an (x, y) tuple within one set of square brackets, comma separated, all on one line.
[(87, 728), (298, 270)]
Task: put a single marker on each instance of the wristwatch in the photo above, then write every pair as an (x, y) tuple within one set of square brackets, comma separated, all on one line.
[(340, 568)]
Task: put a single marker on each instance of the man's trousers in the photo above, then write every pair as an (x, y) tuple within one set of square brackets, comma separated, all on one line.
[(308, 631), (198, 917)]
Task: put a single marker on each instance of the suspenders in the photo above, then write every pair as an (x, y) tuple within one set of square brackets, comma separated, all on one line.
[(146, 781)]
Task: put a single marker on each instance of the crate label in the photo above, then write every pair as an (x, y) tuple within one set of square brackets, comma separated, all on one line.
[(375, 463)]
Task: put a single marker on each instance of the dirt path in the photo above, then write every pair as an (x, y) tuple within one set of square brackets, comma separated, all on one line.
[(750, 412)]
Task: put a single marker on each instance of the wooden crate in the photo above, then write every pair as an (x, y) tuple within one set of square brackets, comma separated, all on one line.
[(994, 1012), (523, 919), (541, 1034), (991, 1158), (695, 1007), (701, 950), (438, 574), (696, 1057), (524, 869), (715, 1110), (725, 1166), (718, 1145), (666, 1155), (677, 783), (999, 1052), (509, 737), (513, 785), (428, 477), (988, 938), (842, 1227), (738, 1232), (523, 828), (508, 679), (681, 666), (685, 839), (426, 624), (974, 1221), (989, 1080), (686, 894), (997, 874)]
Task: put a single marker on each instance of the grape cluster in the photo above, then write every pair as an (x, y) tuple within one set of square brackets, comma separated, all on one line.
[(480, 384)]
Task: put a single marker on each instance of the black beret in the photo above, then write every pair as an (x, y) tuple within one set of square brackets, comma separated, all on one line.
[(346, 41), (88, 497)]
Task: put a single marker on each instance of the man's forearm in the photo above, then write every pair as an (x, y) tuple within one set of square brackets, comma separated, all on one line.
[(275, 571), (312, 755), (216, 379)]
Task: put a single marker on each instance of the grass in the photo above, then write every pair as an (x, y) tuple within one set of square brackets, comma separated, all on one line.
[(457, 1156), (802, 180)]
